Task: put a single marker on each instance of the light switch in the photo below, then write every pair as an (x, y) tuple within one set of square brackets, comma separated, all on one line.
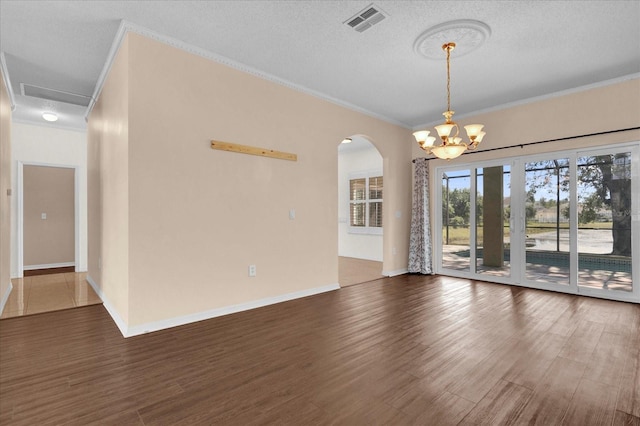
[(292, 214), (44, 216)]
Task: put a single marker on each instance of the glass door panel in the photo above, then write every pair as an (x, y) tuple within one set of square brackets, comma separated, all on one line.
[(604, 221), (456, 210), (547, 251), (492, 220)]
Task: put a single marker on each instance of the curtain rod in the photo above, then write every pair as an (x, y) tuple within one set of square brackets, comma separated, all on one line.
[(522, 145)]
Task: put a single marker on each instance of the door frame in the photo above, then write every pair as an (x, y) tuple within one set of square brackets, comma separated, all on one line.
[(437, 234), (20, 211)]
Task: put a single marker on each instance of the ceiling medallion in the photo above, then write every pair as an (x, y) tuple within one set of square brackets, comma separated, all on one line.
[(468, 35)]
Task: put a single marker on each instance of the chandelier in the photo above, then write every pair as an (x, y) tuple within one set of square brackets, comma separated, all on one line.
[(452, 146)]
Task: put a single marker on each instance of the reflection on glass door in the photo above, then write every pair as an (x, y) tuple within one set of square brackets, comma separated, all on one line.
[(547, 242), (604, 221), (492, 220), (456, 211)]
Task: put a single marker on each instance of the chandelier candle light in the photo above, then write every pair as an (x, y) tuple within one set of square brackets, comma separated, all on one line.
[(451, 146)]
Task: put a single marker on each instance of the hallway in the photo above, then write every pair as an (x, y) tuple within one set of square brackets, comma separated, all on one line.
[(45, 293)]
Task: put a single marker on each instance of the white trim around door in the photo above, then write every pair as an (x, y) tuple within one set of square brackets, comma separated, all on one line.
[(20, 215)]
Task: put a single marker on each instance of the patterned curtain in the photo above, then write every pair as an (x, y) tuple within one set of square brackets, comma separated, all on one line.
[(420, 242)]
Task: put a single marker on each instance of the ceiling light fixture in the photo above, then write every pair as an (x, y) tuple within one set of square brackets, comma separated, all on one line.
[(50, 116), (451, 146), (346, 140)]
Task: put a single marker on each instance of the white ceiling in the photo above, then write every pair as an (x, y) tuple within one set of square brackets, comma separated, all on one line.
[(536, 48)]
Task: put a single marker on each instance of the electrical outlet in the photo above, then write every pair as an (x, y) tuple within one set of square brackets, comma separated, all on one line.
[(252, 270)]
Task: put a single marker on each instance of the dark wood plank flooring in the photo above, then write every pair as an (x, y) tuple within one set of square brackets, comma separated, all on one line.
[(49, 271), (408, 350)]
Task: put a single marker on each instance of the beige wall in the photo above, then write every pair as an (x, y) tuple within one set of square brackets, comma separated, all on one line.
[(108, 188), (5, 185), (48, 191), (198, 217)]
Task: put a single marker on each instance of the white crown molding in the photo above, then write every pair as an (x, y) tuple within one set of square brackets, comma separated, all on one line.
[(7, 81), (126, 27), (113, 51), (578, 89)]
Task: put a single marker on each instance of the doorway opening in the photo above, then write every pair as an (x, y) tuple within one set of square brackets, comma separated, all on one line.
[(360, 206), (47, 242), (47, 219)]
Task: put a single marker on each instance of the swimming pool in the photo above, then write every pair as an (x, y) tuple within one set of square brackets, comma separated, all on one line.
[(590, 261)]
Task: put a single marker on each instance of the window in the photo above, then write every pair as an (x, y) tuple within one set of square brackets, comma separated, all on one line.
[(365, 203)]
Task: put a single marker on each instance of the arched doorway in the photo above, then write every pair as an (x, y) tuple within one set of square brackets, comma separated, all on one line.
[(360, 200)]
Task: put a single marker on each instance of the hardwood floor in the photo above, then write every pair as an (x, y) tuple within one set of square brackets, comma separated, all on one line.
[(408, 350), (353, 271), (49, 271)]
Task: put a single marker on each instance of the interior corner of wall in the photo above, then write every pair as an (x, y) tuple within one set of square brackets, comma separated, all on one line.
[(113, 312)]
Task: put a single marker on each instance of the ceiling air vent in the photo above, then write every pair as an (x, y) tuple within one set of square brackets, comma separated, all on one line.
[(54, 95), (366, 18)]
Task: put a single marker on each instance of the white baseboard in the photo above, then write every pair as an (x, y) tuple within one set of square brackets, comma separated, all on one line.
[(395, 273), (5, 297), (48, 266), (122, 326), (137, 330)]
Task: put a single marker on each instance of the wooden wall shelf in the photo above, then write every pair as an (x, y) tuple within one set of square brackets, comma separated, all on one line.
[(251, 150)]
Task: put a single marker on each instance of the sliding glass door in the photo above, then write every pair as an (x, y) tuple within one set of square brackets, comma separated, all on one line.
[(605, 220), (546, 217), (563, 222), (475, 221)]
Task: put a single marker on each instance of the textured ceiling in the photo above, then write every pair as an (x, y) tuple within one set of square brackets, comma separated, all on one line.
[(536, 48)]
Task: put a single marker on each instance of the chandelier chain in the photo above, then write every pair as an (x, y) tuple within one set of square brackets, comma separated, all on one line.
[(448, 80)]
